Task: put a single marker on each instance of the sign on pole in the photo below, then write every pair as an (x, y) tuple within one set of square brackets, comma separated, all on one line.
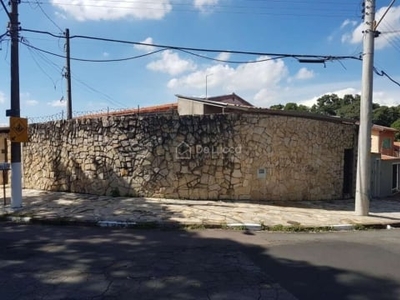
[(18, 130)]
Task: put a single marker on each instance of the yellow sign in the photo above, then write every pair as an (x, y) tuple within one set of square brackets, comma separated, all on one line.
[(18, 130)]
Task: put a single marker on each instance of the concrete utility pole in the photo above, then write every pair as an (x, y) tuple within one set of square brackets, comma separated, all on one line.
[(16, 174), (363, 185), (68, 75)]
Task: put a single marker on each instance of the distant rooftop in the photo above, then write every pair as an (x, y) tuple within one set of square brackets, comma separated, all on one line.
[(383, 128), (230, 99), (164, 108)]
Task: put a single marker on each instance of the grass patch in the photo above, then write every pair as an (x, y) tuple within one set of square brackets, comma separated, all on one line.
[(360, 227), (296, 228), (194, 227)]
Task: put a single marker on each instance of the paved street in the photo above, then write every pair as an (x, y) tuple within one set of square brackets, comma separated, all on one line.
[(51, 262)]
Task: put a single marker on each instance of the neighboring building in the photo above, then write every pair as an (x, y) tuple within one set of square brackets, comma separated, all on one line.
[(169, 108), (382, 140), (396, 146), (385, 164), (213, 105), (230, 99), (184, 106)]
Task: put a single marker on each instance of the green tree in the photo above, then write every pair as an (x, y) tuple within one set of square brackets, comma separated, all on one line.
[(277, 107), (327, 105), (291, 106), (385, 115), (396, 124), (350, 107)]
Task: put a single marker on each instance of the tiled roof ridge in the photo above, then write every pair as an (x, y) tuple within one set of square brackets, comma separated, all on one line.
[(131, 111)]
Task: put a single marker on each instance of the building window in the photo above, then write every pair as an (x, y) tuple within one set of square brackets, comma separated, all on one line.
[(387, 143)]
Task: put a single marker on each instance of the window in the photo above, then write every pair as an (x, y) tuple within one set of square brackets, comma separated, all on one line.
[(387, 143)]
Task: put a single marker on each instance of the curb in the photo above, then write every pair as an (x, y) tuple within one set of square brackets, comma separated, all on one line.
[(177, 225)]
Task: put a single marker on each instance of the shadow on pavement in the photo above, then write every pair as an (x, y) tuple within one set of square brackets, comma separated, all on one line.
[(51, 262)]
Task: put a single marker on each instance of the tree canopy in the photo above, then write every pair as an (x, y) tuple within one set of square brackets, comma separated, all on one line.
[(348, 107)]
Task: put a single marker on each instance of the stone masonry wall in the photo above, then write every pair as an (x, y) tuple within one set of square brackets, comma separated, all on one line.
[(257, 157)]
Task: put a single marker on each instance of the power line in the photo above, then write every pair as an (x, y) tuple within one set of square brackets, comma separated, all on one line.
[(105, 96), (309, 58), (3, 35), (5, 9), (283, 55), (40, 67), (288, 8), (383, 73), (93, 60), (47, 16)]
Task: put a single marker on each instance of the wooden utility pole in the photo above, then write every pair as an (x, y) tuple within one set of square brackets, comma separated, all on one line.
[(68, 75), (16, 174)]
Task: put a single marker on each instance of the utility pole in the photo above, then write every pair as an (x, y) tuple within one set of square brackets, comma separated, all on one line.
[(363, 184), (68, 75), (16, 174)]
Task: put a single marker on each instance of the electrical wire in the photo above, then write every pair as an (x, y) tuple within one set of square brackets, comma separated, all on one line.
[(105, 96), (41, 68), (383, 73), (3, 35), (231, 61), (191, 49), (261, 7), (5, 9), (92, 60), (47, 16)]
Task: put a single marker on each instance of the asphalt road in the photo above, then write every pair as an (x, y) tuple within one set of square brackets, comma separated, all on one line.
[(50, 262)]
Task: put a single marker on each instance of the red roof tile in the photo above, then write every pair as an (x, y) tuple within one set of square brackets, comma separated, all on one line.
[(144, 110)]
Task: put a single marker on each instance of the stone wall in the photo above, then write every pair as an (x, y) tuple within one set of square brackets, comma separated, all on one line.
[(257, 157)]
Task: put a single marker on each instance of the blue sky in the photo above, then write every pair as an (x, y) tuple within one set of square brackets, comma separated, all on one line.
[(320, 27)]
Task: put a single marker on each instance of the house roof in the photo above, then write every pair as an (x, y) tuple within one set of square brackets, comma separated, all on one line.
[(262, 110), (396, 145), (5, 129), (141, 110), (387, 157), (383, 128), (231, 99)]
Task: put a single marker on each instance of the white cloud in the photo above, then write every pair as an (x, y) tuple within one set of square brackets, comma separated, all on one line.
[(84, 10), (304, 73), (146, 48), (172, 64), (385, 98), (224, 56), (31, 102), (347, 23), (390, 21), (27, 99), (60, 15), (57, 103), (205, 5), (251, 79)]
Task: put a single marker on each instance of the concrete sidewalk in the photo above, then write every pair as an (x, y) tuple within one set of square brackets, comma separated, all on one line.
[(69, 208)]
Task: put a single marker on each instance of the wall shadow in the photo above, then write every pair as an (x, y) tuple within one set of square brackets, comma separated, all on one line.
[(43, 262)]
